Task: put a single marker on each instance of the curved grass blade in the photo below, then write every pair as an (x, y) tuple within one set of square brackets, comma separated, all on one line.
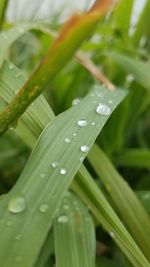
[(86, 188), (139, 69), (74, 235), (11, 80), (75, 31), (8, 37), (38, 206), (131, 211)]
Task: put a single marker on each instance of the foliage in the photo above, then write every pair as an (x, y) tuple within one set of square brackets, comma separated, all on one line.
[(59, 207)]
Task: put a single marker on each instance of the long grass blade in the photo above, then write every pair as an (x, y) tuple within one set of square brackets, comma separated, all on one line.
[(128, 205), (52, 166)]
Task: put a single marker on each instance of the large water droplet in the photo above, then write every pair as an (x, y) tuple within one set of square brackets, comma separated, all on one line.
[(103, 109), (44, 208), (67, 140), (82, 123), (75, 101), (62, 219), (63, 171), (55, 164), (84, 148), (17, 204)]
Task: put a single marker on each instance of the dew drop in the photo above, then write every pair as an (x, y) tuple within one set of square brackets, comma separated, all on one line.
[(81, 159), (17, 204), (82, 123), (43, 175), (84, 148), (62, 219), (9, 223), (11, 67), (110, 101), (67, 140), (75, 101), (74, 134), (66, 207), (103, 109), (112, 234), (55, 164), (18, 237), (18, 259), (63, 171), (44, 208), (93, 123)]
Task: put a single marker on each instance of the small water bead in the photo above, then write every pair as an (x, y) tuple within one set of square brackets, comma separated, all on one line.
[(67, 140), (82, 123), (63, 219), (93, 123), (74, 134), (63, 171), (103, 109), (11, 67), (9, 223), (17, 204), (81, 159), (55, 164), (18, 259), (110, 101), (112, 234), (18, 237), (43, 175), (84, 148), (44, 208), (75, 101)]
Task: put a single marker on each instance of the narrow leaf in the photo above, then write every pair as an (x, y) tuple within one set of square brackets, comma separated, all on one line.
[(130, 209), (52, 166)]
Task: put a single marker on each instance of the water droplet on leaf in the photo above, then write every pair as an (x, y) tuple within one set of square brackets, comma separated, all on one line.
[(67, 140), (62, 219), (17, 204), (103, 109), (82, 123), (63, 171), (84, 148), (55, 164), (75, 101), (44, 208)]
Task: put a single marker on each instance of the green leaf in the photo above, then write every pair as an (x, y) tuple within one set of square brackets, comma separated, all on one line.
[(139, 69), (136, 158), (144, 196), (11, 80), (35, 211), (131, 211), (142, 27), (74, 235), (122, 16), (89, 192)]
